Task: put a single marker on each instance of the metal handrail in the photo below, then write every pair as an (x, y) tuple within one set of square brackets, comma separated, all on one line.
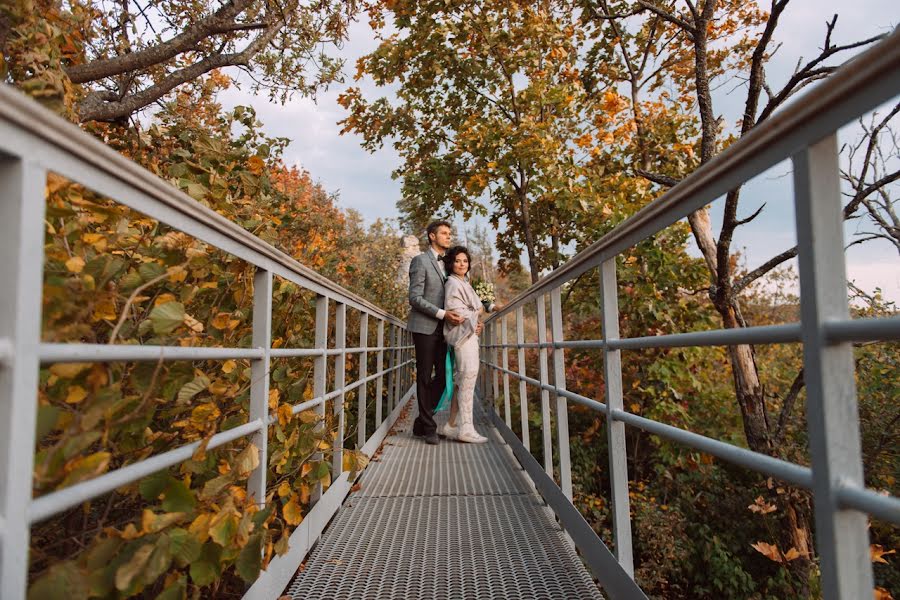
[(804, 131), (34, 142)]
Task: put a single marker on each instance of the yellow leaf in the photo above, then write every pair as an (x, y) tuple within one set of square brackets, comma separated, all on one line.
[(199, 527), (164, 299), (305, 469), (324, 445), (770, 551), (877, 551), (792, 554), (75, 264), (177, 274), (218, 387), (153, 523), (193, 324), (309, 416), (247, 460), (76, 394), (220, 321), (205, 414), (228, 366), (292, 511), (68, 370), (105, 308), (304, 493), (284, 490), (273, 398), (285, 414), (634, 407), (882, 594)]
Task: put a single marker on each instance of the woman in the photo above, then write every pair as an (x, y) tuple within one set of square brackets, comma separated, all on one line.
[(462, 299)]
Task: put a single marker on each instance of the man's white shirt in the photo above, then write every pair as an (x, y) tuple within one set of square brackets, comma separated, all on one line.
[(441, 312)]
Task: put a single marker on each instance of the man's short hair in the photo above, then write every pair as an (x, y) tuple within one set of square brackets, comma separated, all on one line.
[(433, 227)]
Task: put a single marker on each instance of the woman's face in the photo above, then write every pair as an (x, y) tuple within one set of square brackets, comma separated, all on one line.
[(461, 264)]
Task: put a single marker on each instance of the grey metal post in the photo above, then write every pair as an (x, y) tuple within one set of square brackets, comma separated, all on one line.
[(340, 379), (832, 416), (615, 430), (379, 368), (544, 375), (391, 375), (320, 372), (562, 405), (495, 360), (504, 336), (397, 378), (363, 372), (259, 377), (22, 235), (523, 387)]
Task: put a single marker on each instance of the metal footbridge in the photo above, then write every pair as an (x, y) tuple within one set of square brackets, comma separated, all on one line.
[(456, 521)]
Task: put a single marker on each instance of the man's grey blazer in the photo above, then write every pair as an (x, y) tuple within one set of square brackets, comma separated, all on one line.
[(426, 293)]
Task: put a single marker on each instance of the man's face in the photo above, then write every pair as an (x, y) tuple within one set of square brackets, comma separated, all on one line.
[(441, 237)]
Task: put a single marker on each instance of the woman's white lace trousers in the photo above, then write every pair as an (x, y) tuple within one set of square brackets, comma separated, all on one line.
[(465, 377)]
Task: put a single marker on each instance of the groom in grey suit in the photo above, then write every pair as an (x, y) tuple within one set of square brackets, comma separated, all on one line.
[(426, 297)]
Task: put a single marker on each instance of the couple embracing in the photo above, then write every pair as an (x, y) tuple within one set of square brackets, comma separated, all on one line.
[(444, 310)]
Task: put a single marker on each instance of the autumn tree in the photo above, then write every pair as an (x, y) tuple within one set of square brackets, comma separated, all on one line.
[(690, 47), (114, 59), (487, 117)]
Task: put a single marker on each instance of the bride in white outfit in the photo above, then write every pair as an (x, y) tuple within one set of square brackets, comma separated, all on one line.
[(462, 299)]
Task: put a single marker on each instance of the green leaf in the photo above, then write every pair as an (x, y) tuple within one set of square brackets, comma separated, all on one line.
[(176, 591), (150, 270), (185, 547), (260, 516), (126, 574), (159, 560), (62, 581), (46, 420), (178, 497), (153, 485), (192, 388), (203, 572), (250, 559), (167, 317), (212, 487)]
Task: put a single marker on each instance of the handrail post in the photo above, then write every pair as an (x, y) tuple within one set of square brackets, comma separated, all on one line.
[(504, 336), (495, 360), (320, 372), (615, 430), (523, 389), (340, 378), (544, 371), (361, 394), (389, 405), (259, 376), (22, 208), (379, 368), (559, 381), (397, 377), (832, 415)]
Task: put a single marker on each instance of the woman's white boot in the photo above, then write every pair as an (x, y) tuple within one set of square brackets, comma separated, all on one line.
[(449, 431)]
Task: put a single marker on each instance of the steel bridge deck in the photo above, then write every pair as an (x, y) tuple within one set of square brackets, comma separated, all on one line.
[(448, 522)]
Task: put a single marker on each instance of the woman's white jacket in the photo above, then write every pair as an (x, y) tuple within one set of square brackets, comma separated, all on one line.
[(461, 299)]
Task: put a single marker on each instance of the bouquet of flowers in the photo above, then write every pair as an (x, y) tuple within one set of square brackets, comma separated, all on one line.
[(485, 292)]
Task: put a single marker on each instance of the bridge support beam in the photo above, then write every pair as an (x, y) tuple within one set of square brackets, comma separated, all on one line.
[(833, 420), (259, 376)]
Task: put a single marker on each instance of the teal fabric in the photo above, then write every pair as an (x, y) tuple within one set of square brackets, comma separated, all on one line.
[(447, 396)]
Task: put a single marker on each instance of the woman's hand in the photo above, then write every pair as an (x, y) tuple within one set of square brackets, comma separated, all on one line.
[(479, 328)]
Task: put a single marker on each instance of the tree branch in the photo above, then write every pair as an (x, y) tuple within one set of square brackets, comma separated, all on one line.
[(787, 406), (761, 270), (659, 178), (184, 41), (667, 16)]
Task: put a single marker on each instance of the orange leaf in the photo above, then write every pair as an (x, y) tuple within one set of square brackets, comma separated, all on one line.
[(877, 551), (770, 551)]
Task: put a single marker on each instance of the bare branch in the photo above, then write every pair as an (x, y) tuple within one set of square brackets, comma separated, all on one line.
[(787, 406), (667, 16), (659, 178), (761, 270)]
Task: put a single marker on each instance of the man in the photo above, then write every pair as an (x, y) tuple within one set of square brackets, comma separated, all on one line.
[(426, 297)]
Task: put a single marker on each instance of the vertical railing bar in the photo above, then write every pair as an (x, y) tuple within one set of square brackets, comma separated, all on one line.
[(615, 430), (361, 394), (828, 370), (545, 380), (379, 368), (320, 374), (340, 377), (495, 360), (391, 375), (22, 211), (396, 397), (523, 387), (562, 405), (259, 376), (504, 336)]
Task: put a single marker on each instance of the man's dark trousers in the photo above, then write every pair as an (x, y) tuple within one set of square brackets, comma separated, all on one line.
[(431, 354)]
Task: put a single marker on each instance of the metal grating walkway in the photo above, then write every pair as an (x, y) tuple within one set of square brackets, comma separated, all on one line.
[(447, 522)]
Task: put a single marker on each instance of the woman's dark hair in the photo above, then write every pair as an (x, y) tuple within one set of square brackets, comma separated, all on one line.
[(450, 258)]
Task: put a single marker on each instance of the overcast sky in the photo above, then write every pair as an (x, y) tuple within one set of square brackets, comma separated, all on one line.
[(364, 183)]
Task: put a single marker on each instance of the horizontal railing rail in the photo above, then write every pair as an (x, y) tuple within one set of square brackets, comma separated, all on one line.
[(805, 132), (35, 142)]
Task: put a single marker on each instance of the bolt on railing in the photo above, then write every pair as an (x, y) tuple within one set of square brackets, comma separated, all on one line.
[(806, 133), (33, 143)]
